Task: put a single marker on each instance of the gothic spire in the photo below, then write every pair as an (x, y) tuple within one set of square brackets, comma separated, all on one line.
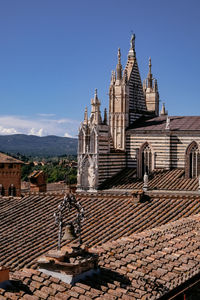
[(163, 110), (119, 66), (150, 76), (150, 65), (95, 112), (86, 116), (95, 96), (105, 117)]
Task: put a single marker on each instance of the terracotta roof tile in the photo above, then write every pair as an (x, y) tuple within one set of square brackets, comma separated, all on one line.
[(159, 179), (27, 226), (177, 123), (156, 261), (9, 159)]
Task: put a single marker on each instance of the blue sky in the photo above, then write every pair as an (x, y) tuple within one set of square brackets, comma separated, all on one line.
[(54, 53)]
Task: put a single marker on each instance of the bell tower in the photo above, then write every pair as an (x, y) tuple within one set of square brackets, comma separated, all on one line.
[(118, 106), (127, 102)]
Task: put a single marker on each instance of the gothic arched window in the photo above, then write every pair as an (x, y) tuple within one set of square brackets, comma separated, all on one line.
[(84, 176), (146, 159), (93, 142), (192, 161), (81, 142)]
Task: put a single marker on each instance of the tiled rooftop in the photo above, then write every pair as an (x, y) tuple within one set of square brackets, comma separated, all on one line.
[(147, 265), (9, 159), (159, 179), (27, 227), (177, 123)]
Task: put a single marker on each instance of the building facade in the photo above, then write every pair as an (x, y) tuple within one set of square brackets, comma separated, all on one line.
[(134, 134), (10, 176)]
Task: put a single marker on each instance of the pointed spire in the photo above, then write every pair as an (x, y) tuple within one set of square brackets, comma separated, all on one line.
[(95, 96), (132, 48), (150, 76), (95, 111), (105, 117), (125, 76), (85, 116), (119, 56), (150, 65), (163, 110), (119, 66), (155, 85), (113, 77)]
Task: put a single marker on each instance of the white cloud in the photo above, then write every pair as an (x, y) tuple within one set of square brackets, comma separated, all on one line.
[(46, 115), (67, 135), (4, 131), (39, 132), (39, 125)]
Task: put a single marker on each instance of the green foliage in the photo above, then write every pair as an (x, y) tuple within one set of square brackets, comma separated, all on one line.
[(56, 169)]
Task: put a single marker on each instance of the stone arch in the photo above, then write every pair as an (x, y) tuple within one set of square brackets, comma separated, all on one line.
[(192, 160), (145, 159)]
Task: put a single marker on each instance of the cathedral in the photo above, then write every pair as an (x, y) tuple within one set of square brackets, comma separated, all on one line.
[(136, 134)]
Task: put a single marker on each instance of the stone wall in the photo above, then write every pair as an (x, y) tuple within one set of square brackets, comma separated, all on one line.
[(168, 147)]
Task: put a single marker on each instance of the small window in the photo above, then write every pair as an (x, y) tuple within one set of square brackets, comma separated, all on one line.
[(10, 166), (1, 165)]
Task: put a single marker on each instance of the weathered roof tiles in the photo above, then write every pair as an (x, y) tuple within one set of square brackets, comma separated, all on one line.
[(27, 227), (148, 265)]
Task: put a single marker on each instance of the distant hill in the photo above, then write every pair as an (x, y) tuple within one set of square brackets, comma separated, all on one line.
[(38, 146)]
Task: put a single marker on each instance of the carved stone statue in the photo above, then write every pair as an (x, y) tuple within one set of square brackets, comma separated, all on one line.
[(167, 123), (146, 180), (133, 41)]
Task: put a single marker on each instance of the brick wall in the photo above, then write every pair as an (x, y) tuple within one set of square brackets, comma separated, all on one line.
[(10, 174)]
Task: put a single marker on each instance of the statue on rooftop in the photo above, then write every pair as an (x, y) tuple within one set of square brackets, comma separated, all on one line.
[(167, 123), (133, 41)]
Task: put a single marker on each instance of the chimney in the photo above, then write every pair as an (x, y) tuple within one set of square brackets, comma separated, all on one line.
[(70, 264), (4, 274), (38, 182)]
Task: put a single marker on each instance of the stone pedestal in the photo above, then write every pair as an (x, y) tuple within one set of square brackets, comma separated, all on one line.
[(70, 264)]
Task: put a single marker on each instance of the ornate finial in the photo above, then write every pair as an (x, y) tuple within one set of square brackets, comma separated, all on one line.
[(150, 77), (95, 94), (133, 41), (119, 56), (150, 65), (119, 66), (86, 115), (105, 117)]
